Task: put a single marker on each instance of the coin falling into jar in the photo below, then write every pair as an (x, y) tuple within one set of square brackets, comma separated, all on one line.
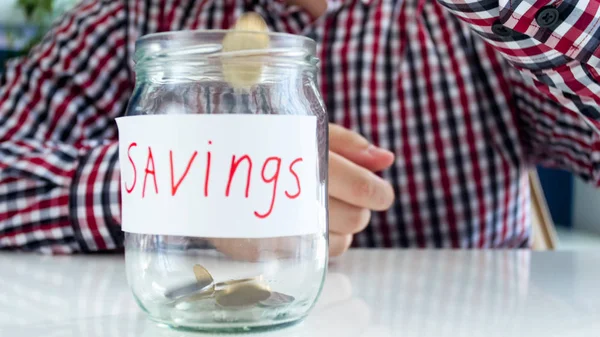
[(240, 69)]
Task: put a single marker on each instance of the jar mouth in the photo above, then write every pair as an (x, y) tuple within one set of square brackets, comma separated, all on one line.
[(205, 46)]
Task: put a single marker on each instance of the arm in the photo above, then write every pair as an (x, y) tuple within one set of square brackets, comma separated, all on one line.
[(553, 47), (59, 180)]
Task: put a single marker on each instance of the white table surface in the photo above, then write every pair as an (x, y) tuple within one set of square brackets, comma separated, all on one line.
[(368, 293)]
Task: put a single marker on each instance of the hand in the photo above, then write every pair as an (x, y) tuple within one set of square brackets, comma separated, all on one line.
[(354, 189)]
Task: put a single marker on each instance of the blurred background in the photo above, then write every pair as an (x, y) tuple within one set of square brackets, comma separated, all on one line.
[(24, 22), (574, 206)]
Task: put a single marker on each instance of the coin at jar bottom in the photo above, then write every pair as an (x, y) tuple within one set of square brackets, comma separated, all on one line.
[(277, 300), (207, 293), (202, 275), (242, 295), (187, 290), (229, 283)]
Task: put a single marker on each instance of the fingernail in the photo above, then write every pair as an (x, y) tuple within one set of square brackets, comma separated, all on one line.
[(377, 151)]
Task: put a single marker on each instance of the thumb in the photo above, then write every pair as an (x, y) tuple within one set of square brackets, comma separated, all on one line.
[(358, 150)]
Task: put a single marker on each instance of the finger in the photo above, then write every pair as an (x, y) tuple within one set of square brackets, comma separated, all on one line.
[(357, 186), (339, 243), (347, 219), (358, 150)]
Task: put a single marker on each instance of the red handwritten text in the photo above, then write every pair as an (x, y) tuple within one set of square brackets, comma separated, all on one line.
[(272, 179), (130, 189), (148, 171), (174, 186), (241, 176)]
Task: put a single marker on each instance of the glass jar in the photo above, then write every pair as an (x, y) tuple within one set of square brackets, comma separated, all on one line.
[(224, 181)]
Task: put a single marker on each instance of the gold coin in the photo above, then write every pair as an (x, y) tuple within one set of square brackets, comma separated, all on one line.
[(249, 33), (202, 275), (252, 22), (243, 295), (228, 283)]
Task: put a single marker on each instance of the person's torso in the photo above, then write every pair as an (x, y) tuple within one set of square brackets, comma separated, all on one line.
[(411, 78)]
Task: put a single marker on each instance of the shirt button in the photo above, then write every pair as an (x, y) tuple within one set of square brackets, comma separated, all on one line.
[(547, 17), (500, 30)]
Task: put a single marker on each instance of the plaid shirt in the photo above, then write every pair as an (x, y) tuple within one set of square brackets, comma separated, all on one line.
[(469, 94)]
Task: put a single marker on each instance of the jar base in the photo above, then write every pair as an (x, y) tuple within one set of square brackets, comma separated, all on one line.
[(245, 327)]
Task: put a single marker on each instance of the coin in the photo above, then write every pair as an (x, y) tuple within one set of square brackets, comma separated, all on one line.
[(203, 295), (243, 295), (242, 38), (187, 290), (251, 21), (202, 275), (228, 283), (277, 300), (216, 288), (249, 33), (204, 283)]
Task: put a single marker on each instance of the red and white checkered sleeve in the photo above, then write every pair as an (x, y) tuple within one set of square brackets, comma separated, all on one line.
[(59, 179), (555, 135), (554, 45)]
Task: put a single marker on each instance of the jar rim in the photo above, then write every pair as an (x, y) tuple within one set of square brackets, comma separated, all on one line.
[(208, 42)]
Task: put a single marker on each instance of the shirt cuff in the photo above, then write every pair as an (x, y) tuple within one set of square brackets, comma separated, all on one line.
[(570, 27), (95, 199)]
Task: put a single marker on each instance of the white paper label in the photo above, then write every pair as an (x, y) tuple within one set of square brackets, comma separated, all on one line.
[(227, 176)]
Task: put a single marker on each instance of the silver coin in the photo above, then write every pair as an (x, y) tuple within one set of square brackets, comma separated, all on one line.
[(188, 289), (277, 300), (208, 293)]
